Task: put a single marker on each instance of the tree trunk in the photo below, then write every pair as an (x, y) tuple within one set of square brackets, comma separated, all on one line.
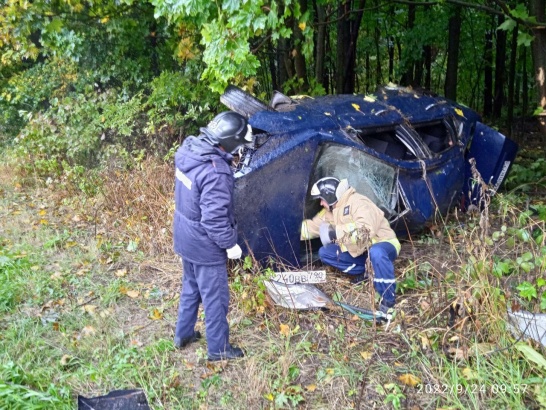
[(453, 54), (428, 67), (500, 69), (368, 72), (390, 46), (488, 73), (407, 77), (511, 80), (427, 59), (525, 87), (299, 60), (538, 10), (348, 30), (320, 46), (342, 41), (378, 76)]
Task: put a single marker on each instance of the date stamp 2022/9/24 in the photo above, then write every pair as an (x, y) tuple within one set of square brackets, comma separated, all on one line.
[(471, 389)]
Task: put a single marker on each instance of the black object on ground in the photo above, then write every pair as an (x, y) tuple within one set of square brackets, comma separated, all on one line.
[(115, 400)]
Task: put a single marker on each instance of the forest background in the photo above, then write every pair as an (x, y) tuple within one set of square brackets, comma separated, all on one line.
[(95, 97)]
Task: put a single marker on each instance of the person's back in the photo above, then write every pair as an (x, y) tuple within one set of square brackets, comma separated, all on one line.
[(204, 231), (204, 223)]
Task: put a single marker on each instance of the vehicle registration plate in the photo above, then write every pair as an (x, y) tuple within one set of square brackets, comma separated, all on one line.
[(312, 276)]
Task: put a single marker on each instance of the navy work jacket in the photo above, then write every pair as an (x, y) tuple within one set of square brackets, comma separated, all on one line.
[(204, 222)]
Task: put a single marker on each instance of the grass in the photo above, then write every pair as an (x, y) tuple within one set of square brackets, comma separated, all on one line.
[(89, 293)]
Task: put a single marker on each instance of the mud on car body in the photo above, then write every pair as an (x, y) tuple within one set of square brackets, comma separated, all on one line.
[(410, 152)]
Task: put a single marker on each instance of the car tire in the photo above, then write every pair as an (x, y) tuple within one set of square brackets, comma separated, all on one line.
[(242, 102)]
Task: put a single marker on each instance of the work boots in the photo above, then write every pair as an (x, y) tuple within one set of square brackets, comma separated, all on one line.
[(180, 343), (231, 352)]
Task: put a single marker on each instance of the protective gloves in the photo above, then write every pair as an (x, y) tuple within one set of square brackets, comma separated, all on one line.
[(327, 233), (234, 252)]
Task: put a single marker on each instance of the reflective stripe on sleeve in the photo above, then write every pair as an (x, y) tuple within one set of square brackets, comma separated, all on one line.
[(349, 268), (183, 178), (305, 231)]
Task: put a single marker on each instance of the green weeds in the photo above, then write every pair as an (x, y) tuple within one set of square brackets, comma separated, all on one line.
[(85, 309)]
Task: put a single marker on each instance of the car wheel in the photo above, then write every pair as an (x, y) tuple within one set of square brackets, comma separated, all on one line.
[(242, 102)]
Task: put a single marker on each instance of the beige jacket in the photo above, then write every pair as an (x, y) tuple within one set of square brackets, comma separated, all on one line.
[(359, 223)]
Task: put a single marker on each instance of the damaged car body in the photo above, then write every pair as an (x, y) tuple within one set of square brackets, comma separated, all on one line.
[(410, 152)]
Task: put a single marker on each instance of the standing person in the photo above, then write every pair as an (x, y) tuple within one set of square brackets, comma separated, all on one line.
[(351, 228), (205, 230)]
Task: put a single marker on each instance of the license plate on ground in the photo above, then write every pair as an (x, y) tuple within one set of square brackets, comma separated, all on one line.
[(312, 276)]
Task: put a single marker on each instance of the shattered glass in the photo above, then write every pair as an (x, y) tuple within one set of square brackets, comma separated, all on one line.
[(368, 175)]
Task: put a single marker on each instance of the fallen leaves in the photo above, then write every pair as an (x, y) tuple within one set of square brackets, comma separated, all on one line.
[(88, 331), (156, 314), (90, 309), (409, 379), (120, 273), (311, 387), (366, 355), (284, 330), (133, 293)]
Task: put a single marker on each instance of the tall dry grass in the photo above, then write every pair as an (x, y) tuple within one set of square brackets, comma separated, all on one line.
[(138, 205)]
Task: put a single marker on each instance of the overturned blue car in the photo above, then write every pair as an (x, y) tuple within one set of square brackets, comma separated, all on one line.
[(414, 154)]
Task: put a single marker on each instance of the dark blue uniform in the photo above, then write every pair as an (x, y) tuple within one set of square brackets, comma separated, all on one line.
[(204, 227)]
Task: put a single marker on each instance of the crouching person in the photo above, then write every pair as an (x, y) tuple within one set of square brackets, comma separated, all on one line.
[(205, 231), (352, 228)]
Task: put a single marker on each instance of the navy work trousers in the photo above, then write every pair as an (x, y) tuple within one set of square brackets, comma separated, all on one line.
[(382, 256), (207, 284)]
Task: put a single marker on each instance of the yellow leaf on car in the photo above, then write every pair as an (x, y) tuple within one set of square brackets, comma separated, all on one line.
[(459, 112), (356, 106), (133, 293), (409, 379), (284, 330)]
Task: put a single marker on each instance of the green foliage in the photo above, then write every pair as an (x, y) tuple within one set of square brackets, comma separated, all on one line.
[(228, 28), (74, 129), (15, 393), (534, 292), (29, 91), (527, 173), (10, 285), (178, 105)]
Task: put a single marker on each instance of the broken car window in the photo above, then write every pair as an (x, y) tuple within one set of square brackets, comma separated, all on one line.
[(368, 175)]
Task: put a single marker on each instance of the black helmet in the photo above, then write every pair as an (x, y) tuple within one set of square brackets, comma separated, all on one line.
[(325, 188), (229, 130)]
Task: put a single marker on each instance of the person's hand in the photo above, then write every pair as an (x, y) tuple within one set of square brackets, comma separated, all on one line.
[(327, 233), (235, 252)]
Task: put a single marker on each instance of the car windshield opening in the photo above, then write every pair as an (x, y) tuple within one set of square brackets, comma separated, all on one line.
[(438, 135), (368, 175), (387, 141)]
